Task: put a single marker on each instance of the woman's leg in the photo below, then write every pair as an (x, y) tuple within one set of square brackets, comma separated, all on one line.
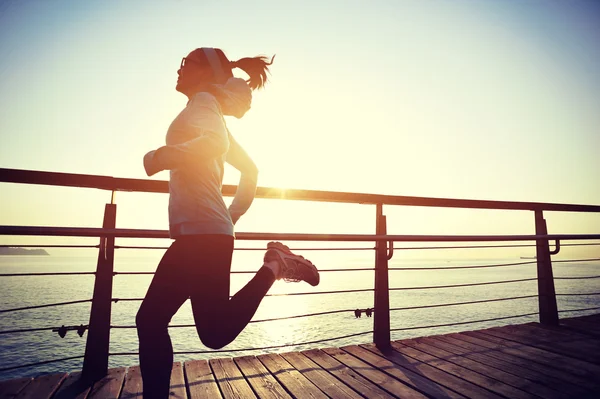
[(166, 294), (219, 320)]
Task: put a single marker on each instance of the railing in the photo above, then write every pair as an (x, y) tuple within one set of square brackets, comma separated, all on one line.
[(97, 353)]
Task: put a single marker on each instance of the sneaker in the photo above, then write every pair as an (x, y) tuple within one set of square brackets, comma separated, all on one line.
[(293, 268)]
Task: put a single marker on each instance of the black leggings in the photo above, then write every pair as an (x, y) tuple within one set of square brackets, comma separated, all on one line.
[(195, 267)]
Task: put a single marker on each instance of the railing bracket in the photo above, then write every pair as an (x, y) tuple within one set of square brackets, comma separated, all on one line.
[(556, 249), (390, 253)]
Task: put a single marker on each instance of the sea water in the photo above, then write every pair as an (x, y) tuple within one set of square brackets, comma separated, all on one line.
[(296, 333)]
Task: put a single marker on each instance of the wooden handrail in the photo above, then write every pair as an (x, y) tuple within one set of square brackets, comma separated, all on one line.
[(160, 186)]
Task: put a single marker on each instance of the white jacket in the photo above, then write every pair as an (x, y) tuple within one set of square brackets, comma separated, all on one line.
[(198, 144)]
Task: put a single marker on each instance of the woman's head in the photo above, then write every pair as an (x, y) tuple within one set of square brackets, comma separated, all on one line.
[(206, 66)]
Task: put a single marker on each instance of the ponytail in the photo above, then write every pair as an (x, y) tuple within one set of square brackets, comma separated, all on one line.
[(256, 68)]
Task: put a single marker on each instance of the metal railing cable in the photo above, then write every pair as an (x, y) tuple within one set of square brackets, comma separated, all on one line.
[(254, 271), (463, 267), (575, 260), (322, 271), (465, 303), (276, 295), (576, 278), (45, 305), (491, 246), (40, 363), (306, 293), (577, 310), (579, 294), (27, 330), (462, 285), (580, 244), (410, 268), (48, 246), (47, 274), (465, 322), (493, 265), (256, 249), (252, 349), (256, 321), (352, 310)]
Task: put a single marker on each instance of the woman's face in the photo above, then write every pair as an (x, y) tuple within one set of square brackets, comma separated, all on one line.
[(191, 73)]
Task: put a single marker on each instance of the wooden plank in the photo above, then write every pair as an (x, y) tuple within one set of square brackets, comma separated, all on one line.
[(572, 347), (259, 378), (327, 383), (559, 333), (582, 326), (177, 390), (230, 379), (410, 376), (133, 387), (109, 387), (201, 382), (297, 384), (573, 368), (480, 364), (554, 333), (511, 364), (549, 351), (407, 357), (10, 388), (381, 379), (347, 375), (525, 356), (42, 387), (456, 365), (571, 340), (73, 387), (594, 318)]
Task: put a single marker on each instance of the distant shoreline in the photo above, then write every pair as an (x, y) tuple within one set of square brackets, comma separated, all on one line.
[(22, 251)]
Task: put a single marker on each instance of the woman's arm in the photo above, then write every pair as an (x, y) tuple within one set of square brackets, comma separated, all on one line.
[(244, 195), (209, 145)]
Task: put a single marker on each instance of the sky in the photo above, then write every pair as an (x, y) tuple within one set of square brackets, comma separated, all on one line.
[(456, 99)]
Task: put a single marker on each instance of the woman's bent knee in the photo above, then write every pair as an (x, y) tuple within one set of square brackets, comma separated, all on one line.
[(212, 339), (213, 343)]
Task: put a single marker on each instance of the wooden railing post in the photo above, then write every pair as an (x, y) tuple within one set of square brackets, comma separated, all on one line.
[(545, 279), (381, 317), (95, 362)]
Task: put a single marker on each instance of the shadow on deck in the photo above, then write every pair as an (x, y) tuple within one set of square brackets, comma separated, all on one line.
[(518, 361)]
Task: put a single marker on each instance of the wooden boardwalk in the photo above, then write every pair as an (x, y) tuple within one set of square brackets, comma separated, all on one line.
[(521, 361)]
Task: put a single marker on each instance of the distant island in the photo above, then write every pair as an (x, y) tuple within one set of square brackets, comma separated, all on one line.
[(22, 251)]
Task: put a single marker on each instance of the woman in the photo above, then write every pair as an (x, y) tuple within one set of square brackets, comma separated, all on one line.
[(197, 264)]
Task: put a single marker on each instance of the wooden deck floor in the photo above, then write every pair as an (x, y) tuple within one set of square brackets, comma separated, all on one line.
[(524, 361)]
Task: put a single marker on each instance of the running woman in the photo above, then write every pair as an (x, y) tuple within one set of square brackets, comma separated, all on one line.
[(197, 264)]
